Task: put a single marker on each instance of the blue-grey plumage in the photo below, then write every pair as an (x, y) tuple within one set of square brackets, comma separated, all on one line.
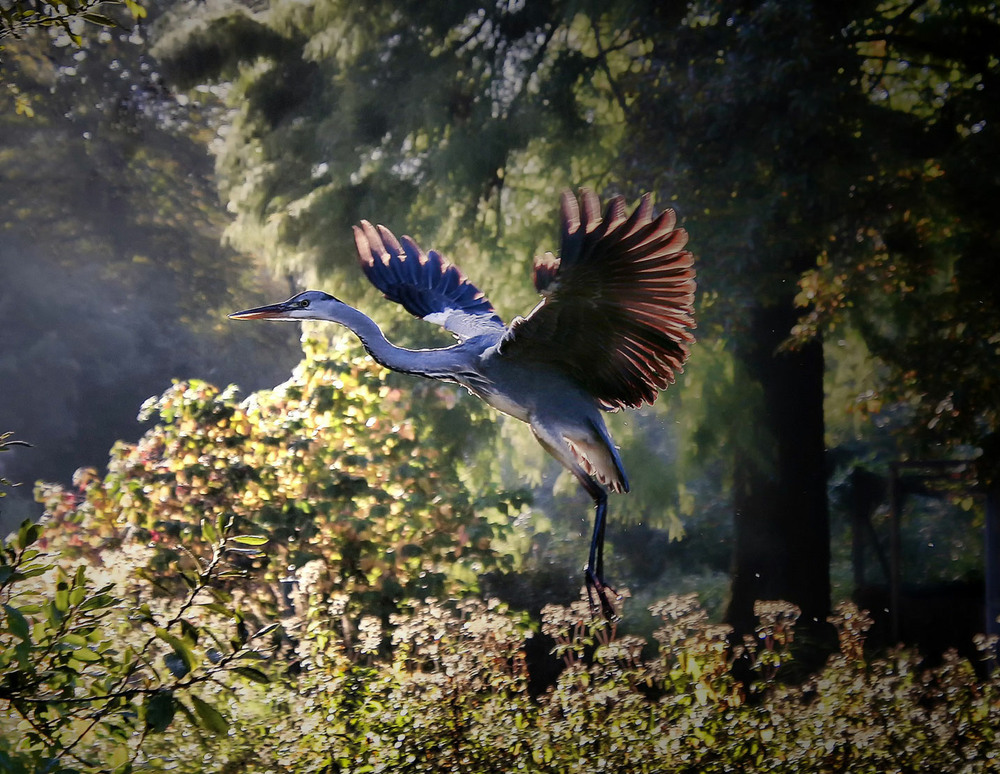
[(611, 332)]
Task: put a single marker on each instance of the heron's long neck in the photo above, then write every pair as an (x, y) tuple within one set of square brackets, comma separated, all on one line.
[(442, 363)]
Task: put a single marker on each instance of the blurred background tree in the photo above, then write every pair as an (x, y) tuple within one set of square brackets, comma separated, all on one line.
[(112, 276), (804, 146)]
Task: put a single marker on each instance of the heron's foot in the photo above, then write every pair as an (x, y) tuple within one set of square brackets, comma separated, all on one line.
[(597, 586)]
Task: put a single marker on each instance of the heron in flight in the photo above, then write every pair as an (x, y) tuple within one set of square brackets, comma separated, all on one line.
[(611, 332)]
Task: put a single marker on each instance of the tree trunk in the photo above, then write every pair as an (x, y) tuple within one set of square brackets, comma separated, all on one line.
[(782, 536)]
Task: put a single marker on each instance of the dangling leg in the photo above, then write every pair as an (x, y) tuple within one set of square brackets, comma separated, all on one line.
[(596, 561), (555, 443), (594, 571)]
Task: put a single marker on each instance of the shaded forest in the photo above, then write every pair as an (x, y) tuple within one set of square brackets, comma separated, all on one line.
[(833, 437), (114, 280)]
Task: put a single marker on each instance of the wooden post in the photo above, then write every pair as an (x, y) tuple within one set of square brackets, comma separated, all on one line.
[(895, 552), (992, 550), (858, 548)]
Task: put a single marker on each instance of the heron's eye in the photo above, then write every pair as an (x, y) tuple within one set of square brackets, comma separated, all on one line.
[(304, 303)]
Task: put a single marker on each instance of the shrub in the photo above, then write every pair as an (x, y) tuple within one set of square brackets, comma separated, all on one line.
[(327, 467), (288, 584), (89, 672), (453, 696)]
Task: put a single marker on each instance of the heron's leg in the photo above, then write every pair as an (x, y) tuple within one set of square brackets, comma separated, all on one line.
[(553, 439), (594, 571), (596, 561)]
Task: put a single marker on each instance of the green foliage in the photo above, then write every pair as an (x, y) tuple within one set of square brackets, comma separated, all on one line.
[(868, 176), (87, 673), (908, 264), (457, 123), (143, 626), (440, 117), (109, 248), (17, 17), (454, 695), (164, 577), (327, 466)]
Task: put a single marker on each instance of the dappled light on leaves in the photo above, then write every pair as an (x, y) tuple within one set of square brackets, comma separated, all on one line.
[(326, 466)]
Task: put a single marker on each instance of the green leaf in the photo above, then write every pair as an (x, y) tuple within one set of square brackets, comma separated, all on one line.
[(97, 18), (61, 599), (31, 570), (17, 624), (222, 610), (252, 674), (27, 534), (252, 552), (249, 540), (266, 630), (99, 601), (181, 648), (74, 640), (76, 595), (186, 711), (135, 9), (190, 631), (208, 531), (209, 716), (242, 632), (160, 710), (86, 654)]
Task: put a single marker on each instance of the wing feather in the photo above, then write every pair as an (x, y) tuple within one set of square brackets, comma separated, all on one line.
[(618, 302), (424, 284)]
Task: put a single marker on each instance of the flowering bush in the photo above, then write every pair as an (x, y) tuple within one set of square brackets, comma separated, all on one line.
[(327, 467), (288, 584), (453, 695)]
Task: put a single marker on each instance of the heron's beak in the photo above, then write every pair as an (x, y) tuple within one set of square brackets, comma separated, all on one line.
[(269, 312)]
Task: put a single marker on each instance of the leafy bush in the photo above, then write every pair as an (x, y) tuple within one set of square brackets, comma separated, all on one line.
[(288, 584), (88, 673), (453, 696), (328, 466)]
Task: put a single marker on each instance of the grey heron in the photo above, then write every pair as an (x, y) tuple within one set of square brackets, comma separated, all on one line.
[(611, 331)]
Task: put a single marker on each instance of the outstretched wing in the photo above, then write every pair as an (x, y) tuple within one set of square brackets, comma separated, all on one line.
[(425, 284), (617, 302)]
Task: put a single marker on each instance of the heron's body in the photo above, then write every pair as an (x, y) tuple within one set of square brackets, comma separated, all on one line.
[(610, 332)]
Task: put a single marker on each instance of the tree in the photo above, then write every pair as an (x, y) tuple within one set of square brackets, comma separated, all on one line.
[(765, 204), (438, 118), (913, 270), (857, 181), (114, 280), (759, 118)]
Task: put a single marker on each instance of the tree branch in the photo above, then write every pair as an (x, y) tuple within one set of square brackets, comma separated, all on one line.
[(602, 56)]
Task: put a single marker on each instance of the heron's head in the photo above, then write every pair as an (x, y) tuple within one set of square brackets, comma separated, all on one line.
[(308, 305)]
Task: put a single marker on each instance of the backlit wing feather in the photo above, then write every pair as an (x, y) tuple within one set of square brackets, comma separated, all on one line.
[(617, 302)]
